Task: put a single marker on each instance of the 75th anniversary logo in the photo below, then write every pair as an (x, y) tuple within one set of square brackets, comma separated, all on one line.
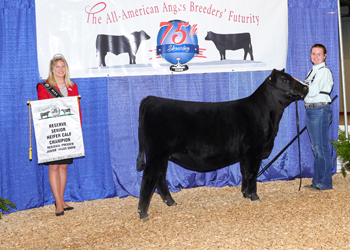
[(177, 43)]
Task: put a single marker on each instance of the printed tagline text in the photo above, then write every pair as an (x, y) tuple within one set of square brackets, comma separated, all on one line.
[(59, 138), (98, 13)]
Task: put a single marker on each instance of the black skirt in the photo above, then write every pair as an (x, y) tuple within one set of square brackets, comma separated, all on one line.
[(64, 161)]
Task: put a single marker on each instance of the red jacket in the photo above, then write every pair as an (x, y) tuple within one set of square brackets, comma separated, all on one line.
[(72, 91)]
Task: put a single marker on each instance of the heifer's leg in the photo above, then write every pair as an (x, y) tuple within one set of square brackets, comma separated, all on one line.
[(253, 176), (222, 54), (132, 58), (150, 178), (250, 51), (102, 55), (163, 189), (250, 169), (245, 54), (245, 182)]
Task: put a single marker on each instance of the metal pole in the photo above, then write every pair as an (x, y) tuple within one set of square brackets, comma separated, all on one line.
[(342, 69)]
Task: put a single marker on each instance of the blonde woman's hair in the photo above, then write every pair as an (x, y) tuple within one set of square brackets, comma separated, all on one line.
[(52, 79)]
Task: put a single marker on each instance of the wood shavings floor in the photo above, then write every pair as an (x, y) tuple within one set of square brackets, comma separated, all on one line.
[(205, 218)]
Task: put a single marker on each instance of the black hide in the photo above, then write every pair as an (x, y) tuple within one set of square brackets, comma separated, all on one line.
[(204, 136)]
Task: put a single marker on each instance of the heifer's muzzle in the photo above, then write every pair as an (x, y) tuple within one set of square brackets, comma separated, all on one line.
[(298, 90)]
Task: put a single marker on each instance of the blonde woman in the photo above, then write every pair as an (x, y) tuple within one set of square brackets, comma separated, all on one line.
[(58, 82)]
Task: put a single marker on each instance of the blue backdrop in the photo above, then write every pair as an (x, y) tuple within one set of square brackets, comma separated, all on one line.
[(110, 112)]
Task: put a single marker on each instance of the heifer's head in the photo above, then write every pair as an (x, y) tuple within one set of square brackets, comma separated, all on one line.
[(144, 35), (209, 35), (287, 85), (140, 35)]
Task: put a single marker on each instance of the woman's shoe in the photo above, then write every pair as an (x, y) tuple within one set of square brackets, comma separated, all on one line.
[(68, 208), (312, 187), (309, 186), (60, 213)]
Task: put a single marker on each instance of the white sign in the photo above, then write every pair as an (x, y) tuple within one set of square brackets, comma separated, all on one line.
[(57, 129), (119, 38)]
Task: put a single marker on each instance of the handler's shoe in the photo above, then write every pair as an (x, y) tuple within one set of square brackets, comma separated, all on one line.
[(60, 213), (312, 187)]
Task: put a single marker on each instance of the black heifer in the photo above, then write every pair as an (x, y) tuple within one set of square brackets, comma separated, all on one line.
[(120, 44), (225, 42), (207, 136)]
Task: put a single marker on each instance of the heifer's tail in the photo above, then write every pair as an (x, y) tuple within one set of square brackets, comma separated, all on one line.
[(140, 162)]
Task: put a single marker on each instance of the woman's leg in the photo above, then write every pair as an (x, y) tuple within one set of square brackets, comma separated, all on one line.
[(63, 180), (55, 183), (313, 124), (318, 120)]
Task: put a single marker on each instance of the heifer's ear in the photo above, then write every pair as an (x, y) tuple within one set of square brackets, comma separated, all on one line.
[(272, 76), (283, 70)]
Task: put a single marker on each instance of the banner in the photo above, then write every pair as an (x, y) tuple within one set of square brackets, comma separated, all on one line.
[(119, 38), (57, 129)]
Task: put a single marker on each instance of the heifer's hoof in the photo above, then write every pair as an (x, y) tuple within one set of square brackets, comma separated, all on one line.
[(245, 195), (254, 197), (170, 202), (144, 217)]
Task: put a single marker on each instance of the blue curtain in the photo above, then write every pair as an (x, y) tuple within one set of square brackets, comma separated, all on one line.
[(25, 182), (312, 22), (110, 112), (21, 181)]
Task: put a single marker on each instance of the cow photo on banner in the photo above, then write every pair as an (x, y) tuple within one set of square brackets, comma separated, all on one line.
[(123, 38), (57, 129)]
